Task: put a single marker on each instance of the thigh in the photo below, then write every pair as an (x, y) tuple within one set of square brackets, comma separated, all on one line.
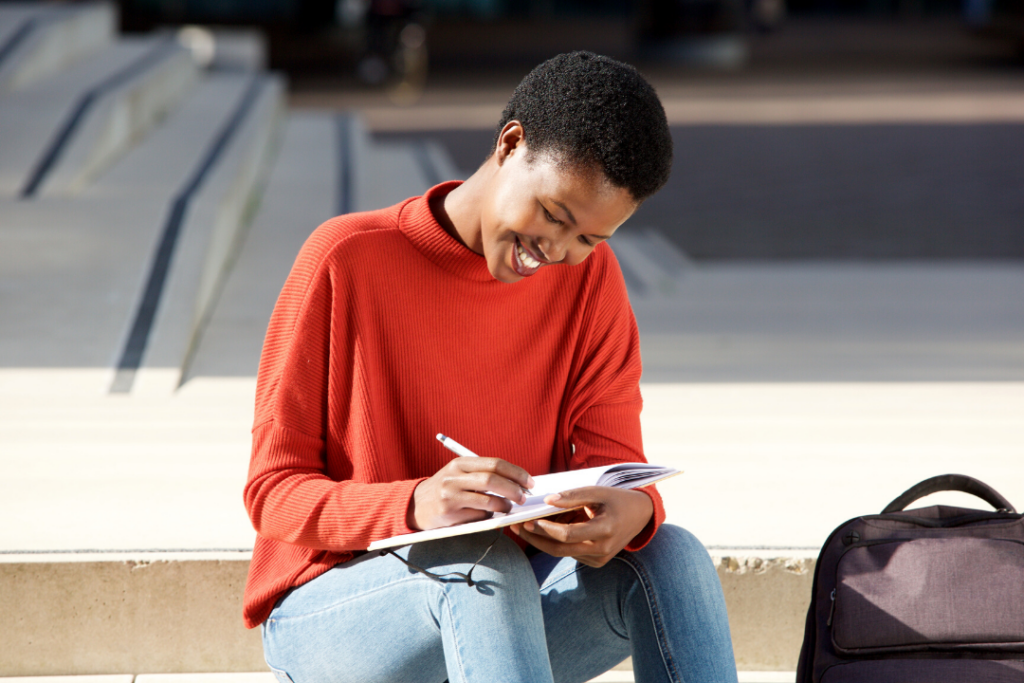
[(583, 615), (375, 618), (342, 626), (663, 604)]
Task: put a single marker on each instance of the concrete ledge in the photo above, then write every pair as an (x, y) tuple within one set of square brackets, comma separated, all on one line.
[(767, 599), (181, 612), (121, 118), (37, 117), (61, 36), (103, 616), (209, 241)]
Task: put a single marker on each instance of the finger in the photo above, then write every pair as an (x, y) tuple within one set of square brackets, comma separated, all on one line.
[(490, 482), (591, 496), (570, 517), (554, 548), (500, 467), (574, 532), (480, 501)]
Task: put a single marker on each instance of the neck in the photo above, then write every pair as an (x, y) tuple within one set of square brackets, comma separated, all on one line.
[(458, 212)]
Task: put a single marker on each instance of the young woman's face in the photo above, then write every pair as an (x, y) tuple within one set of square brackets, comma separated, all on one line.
[(539, 213)]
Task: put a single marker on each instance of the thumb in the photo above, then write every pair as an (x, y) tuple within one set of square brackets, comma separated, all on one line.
[(571, 498)]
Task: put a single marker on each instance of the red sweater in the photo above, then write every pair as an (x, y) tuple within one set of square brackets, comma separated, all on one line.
[(389, 331)]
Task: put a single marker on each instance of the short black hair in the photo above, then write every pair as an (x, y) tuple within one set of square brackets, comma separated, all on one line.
[(591, 110)]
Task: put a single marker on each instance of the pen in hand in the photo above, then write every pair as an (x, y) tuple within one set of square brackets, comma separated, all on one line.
[(458, 449)]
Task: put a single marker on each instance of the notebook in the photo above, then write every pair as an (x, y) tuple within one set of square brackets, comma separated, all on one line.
[(629, 475)]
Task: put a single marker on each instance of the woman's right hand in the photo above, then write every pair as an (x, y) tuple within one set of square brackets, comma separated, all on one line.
[(461, 491)]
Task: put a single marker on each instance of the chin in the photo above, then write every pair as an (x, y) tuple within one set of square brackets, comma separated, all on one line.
[(507, 276), (502, 271)]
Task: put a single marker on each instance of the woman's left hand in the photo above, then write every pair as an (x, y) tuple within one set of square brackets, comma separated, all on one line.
[(610, 518)]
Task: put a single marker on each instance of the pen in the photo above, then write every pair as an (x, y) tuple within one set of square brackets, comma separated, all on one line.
[(458, 449)]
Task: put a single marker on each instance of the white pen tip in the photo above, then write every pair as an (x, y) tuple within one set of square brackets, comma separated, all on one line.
[(441, 437)]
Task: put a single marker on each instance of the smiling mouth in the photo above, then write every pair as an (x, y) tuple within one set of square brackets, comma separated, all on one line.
[(523, 262)]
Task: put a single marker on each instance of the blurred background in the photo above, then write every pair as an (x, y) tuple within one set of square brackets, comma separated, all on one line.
[(804, 128)]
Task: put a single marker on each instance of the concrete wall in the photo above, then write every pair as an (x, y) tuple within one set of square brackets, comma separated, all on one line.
[(767, 601), (168, 614), (125, 617)]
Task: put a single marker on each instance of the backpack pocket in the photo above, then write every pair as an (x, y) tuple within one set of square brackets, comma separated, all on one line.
[(926, 671), (930, 594)]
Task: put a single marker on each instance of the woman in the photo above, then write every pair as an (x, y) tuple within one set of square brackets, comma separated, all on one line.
[(490, 310)]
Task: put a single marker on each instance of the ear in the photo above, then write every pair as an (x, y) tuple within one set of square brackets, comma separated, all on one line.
[(511, 140)]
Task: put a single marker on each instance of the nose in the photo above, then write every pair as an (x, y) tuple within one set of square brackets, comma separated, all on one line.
[(554, 249)]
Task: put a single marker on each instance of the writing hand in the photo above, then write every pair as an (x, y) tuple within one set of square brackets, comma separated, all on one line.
[(610, 519), (461, 492)]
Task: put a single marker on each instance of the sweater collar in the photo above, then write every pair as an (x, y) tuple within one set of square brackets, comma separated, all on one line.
[(426, 234)]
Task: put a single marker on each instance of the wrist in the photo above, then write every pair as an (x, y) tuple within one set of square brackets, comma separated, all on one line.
[(410, 512)]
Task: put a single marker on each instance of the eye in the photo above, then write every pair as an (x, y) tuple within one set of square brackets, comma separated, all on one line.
[(551, 219), (585, 241)]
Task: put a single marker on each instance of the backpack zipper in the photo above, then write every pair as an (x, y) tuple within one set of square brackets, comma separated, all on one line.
[(832, 608)]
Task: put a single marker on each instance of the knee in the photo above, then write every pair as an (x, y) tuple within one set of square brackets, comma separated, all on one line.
[(676, 550), (503, 559), (679, 540), (506, 558)]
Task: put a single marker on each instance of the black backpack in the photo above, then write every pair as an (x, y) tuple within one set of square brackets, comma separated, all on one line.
[(932, 595)]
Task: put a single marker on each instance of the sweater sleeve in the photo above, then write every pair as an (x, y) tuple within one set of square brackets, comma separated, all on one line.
[(299, 488), (605, 427)]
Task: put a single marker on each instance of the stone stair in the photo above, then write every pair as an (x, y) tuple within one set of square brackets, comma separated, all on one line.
[(39, 40)]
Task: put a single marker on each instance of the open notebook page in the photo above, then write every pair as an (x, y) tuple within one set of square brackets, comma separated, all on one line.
[(622, 475)]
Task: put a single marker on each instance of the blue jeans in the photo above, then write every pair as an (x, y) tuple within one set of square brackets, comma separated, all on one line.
[(374, 619)]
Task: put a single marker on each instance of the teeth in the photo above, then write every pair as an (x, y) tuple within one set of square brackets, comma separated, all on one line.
[(526, 259)]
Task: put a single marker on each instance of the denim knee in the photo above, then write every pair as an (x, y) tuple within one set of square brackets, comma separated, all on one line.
[(678, 548), (492, 555)]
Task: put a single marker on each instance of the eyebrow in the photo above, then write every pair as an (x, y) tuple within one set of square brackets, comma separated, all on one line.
[(565, 208), (573, 218)]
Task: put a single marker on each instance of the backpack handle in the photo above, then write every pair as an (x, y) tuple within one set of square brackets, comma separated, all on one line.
[(950, 482)]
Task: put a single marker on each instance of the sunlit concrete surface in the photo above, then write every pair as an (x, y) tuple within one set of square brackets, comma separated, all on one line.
[(766, 465), (113, 472), (781, 465)]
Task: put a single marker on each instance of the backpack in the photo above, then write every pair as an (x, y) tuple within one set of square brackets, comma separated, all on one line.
[(932, 595)]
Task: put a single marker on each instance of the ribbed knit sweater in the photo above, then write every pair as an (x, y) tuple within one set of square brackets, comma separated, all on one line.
[(388, 331)]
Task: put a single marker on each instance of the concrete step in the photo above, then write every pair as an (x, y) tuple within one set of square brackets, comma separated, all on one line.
[(70, 276), (37, 40), (203, 167), (306, 186), (209, 238), (161, 164), (82, 265), (120, 116), (84, 112), (160, 612), (300, 194)]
